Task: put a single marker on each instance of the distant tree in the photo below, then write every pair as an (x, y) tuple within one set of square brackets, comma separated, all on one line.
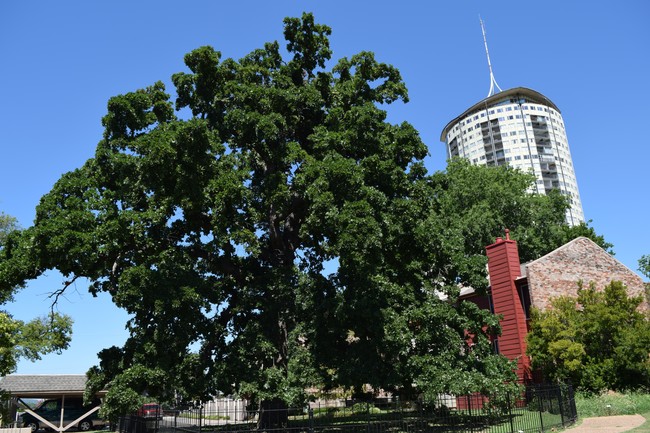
[(644, 265), (598, 340), (477, 203), (8, 224), (644, 268), (283, 235), (585, 230), (31, 339)]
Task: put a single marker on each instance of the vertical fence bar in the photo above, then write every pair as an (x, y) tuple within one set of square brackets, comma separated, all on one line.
[(560, 402), (310, 413), (368, 417), (469, 410), (541, 410), (510, 413)]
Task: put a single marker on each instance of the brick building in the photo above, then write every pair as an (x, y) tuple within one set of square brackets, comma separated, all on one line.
[(516, 287)]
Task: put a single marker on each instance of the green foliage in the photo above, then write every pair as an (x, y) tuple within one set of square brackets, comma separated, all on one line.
[(644, 268), (282, 237), (31, 340), (598, 340), (18, 339), (644, 265), (8, 224), (583, 229)]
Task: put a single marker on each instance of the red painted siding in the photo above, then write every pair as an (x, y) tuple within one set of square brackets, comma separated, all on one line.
[(504, 268)]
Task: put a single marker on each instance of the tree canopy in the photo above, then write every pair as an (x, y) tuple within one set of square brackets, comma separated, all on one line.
[(279, 234), (30, 340), (597, 340)]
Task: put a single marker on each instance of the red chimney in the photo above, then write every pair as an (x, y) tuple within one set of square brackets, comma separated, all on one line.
[(504, 267)]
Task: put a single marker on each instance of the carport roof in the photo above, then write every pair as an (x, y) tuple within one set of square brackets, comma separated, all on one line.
[(43, 385)]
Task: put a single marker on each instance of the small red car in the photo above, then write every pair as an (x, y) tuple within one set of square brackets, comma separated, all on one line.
[(150, 410)]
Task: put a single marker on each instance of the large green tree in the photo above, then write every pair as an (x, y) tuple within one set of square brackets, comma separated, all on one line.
[(280, 234), (18, 339), (597, 339)]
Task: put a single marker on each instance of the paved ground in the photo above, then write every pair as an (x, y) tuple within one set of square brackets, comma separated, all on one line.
[(608, 424)]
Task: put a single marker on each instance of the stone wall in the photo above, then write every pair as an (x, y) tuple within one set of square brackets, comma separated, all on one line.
[(558, 272)]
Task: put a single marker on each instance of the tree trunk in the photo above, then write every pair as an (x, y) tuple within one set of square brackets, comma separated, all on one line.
[(273, 415)]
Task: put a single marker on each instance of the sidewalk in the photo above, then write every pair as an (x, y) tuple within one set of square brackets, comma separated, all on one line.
[(608, 424)]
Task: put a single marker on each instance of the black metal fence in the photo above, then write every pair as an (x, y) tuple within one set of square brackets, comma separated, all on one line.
[(537, 409)]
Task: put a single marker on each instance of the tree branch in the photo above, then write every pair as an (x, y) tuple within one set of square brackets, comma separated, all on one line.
[(58, 293)]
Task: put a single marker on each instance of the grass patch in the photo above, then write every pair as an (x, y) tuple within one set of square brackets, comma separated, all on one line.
[(612, 404)]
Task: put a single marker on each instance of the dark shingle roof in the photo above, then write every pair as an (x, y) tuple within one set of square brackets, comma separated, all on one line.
[(26, 385)]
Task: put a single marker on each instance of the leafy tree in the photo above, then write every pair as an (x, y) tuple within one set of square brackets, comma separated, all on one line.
[(282, 236), (31, 339), (583, 229), (8, 224), (644, 265), (474, 204), (598, 340), (644, 268)]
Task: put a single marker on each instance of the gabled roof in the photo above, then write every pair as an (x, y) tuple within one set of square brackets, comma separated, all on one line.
[(565, 246), (43, 385)]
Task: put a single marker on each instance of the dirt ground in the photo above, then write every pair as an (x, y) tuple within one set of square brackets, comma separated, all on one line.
[(608, 424)]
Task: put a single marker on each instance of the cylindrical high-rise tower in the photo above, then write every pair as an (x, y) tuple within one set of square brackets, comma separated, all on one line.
[(521, 128)]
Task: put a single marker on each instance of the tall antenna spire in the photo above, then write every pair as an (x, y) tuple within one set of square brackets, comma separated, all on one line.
[(493, 81)]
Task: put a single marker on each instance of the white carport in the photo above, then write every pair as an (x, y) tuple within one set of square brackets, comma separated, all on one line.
[(21, 386)]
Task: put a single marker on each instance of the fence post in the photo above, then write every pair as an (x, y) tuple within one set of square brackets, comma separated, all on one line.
[(510, 414), (367, 417), (560, 402), (469, 409), (310, 413), (572, 403), (541, 409)]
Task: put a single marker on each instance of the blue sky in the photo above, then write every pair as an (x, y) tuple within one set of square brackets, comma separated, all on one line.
[(63, 60)]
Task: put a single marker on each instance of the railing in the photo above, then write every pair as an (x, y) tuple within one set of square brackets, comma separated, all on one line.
[(15, 430), (537, 409)]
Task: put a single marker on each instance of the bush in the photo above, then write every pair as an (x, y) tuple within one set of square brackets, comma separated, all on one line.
[(597, 340), (360, 408)]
